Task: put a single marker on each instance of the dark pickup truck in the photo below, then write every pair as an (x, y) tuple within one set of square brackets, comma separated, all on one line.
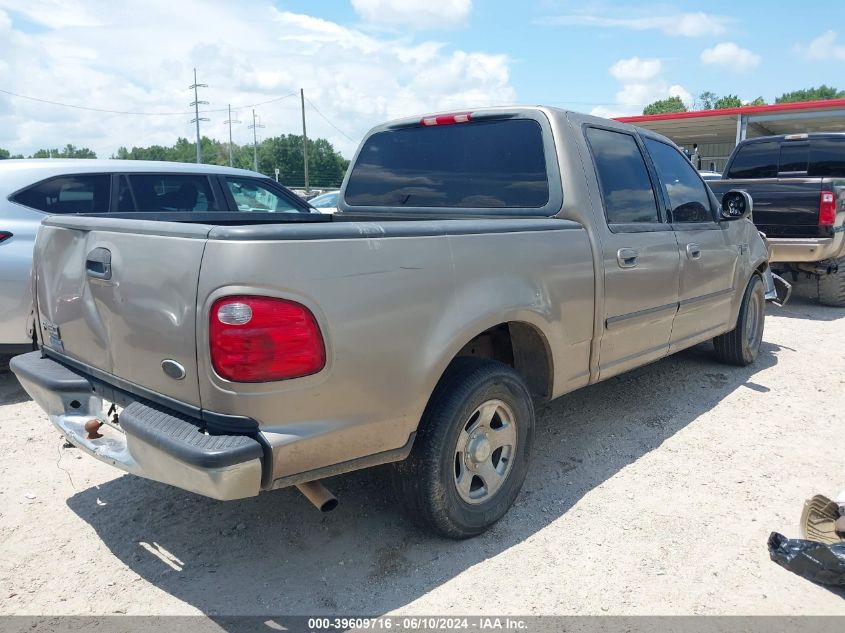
[(797, 182)]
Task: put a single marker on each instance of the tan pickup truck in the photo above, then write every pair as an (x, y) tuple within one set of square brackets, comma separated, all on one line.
[(479, 262)]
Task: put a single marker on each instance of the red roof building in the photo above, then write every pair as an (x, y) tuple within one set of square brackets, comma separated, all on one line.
[(716, 132)]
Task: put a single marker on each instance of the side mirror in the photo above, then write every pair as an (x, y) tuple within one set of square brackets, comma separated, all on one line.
[(736, 205)]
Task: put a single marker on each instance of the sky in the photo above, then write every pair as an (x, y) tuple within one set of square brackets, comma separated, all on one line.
[(362, 62)]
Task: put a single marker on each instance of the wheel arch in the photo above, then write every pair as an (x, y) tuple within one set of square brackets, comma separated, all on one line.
[(518, 344)]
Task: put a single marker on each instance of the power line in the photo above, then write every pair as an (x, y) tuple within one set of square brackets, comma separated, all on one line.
[(255, 105), (326, 119), (135, 113)]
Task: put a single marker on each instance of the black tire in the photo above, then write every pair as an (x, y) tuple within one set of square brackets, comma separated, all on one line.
[(427, 481), (741, 345), (832, 287)]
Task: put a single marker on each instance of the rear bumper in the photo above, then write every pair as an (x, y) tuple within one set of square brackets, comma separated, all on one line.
[(150, 441), (807, 249)]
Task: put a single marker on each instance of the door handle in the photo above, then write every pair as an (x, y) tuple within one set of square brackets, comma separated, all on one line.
[(627, 257), (694, 251), (98, 263)]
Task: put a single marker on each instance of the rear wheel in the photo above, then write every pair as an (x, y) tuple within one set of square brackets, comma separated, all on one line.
[(832, 287), (741, 345), (471, 453)]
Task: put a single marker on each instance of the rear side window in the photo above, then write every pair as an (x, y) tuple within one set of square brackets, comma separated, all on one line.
[(481, 164), (687, 193), (157, 193), (756, 160), (251, 195), (827, 157), (623, 177), (68, 194), (794, 156)]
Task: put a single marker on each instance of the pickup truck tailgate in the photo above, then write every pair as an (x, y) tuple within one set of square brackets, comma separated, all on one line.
[(122, 298)]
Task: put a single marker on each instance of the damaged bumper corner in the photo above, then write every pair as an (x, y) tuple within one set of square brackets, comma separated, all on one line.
[(778, 290), (150, 441)]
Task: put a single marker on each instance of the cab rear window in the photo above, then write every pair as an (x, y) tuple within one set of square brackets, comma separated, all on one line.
[(756, 160), (480, 164)]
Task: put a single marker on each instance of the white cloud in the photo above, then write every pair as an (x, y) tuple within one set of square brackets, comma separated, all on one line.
[(697, 24), (730, 56), (642, 83), (825, 46), (414, 13), (685, 96), (55, 14), (635, 69), (247, 53)]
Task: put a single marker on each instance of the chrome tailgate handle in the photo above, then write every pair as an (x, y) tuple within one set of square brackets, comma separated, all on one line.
[(627, 257), (98, 263)]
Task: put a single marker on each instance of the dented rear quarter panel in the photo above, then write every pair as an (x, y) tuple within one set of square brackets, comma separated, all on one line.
[(394, 311)]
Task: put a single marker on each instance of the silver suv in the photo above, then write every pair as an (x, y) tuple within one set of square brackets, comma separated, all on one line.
[(33, 189)]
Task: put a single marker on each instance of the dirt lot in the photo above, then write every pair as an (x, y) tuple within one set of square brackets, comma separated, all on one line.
[(652, 493)]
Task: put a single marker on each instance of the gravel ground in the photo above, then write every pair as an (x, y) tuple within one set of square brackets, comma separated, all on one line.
[(652, 493)]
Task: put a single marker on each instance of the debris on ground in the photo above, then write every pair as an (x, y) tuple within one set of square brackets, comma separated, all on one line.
[(823, 563), (820, 555)]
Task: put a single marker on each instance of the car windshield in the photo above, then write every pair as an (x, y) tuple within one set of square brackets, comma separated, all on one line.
[(325, 201)]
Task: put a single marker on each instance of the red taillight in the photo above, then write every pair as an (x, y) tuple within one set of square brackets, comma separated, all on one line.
[(260, 339), (447, 119), (827, 208), (4, 235)]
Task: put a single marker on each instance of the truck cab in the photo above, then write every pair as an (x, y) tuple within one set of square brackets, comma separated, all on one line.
[(797, 182)]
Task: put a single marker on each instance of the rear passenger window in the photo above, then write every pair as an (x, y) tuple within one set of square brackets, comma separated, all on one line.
[(794, 156), (68, 194), (756, 160), (164, 193), (827, 157), (623, 177), (687, 193)]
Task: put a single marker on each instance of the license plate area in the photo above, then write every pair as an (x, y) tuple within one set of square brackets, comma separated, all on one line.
[(111, 415)]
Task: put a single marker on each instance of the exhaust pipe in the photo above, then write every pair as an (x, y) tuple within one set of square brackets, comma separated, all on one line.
[(319, 495)]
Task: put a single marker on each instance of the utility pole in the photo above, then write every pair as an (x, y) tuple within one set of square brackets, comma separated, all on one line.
[(254, 127), (304, 140), (230, 120), (197, 103)]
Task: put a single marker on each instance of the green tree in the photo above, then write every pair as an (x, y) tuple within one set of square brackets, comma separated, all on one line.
[(153, 152), (326, 167), (708, 99), (68, 151), (664, 106), (728, 101), (758, 101), (183, 151), (821, 93)]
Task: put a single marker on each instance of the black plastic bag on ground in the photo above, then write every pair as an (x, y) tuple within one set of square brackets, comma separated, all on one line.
[(820, 562)]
